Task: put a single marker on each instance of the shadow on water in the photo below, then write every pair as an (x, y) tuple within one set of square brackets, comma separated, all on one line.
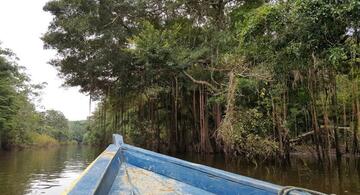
[(304, 171), (43, 171)]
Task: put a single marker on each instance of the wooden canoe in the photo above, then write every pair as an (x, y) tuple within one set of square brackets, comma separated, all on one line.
[(125, 169)]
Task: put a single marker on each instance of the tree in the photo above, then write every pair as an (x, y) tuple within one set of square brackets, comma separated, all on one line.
[(199, 75), (77, 129), (56, 125), (18, 117)]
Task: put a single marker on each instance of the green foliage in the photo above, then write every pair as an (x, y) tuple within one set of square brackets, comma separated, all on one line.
[(251, 129), (14, 102), (20, 124), (244, 76), (43, 140), (56, 125), (77, 129)]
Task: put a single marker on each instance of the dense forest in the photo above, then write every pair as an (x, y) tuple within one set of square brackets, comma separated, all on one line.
[(21, 125), (252, 78)]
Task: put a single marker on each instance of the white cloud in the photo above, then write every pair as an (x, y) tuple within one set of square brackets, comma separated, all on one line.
[(22, 23)]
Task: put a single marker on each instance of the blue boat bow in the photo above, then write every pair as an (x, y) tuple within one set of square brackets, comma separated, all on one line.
[(125, 169)]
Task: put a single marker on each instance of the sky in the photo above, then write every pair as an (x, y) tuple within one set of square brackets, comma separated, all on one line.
[(22, 23)]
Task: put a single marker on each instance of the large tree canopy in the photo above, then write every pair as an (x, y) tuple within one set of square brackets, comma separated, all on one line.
[(245, 77)]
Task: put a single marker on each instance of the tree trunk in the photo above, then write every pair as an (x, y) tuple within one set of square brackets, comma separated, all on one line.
[(356, 117), (285, 137), (357, 126), (345, 132), (217, 114), (195, 113), (313, 112), (157, 130), (173, 121), (205, 145), (335, 119), (273, 115), (201, 119), (327, 136), (176, 128)]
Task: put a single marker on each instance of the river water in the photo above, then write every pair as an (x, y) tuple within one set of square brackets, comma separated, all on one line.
[(304, 171), (51, 170), (43, 171)]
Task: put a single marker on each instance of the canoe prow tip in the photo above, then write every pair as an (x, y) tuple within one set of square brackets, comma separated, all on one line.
[(117, 140)]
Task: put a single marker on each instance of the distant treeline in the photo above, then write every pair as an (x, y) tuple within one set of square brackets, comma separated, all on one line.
[(249, 78), (20, 124)]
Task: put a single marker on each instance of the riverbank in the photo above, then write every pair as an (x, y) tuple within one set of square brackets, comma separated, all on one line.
[(43, 140), (307, 151), (37, 140)]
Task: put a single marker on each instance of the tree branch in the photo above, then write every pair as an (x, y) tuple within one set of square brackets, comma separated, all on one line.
[(199, 82)]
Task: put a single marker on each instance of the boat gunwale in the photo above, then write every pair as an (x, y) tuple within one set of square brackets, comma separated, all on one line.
[(99, 166)]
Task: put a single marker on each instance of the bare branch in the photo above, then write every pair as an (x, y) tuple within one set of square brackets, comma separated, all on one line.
[(200, 82), (112, 21)]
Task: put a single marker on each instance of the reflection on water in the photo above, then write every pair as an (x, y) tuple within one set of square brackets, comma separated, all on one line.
[(303, 172), (43, 171)]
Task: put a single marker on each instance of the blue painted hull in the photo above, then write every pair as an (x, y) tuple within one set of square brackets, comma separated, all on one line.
[(125, 169)]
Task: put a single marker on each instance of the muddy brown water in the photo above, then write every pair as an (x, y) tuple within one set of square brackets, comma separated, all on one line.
[(44, 170), (51, 170), (304, 171)]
